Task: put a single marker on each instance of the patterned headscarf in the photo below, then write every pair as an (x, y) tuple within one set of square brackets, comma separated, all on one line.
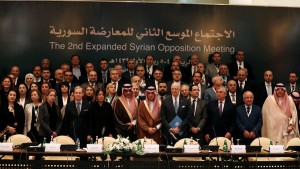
[(156, 104), (132, 100), (285, 104)]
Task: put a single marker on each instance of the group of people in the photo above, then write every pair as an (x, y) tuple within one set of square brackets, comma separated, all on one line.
[(164, 104)]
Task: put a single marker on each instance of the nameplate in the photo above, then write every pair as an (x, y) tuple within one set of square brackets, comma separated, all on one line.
[(238, 149), (276, 149), (6, 146), (94, 148), (151, 148), (191, 148), (53, 147)]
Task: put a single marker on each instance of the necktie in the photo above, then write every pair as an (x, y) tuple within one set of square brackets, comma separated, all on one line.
[(240, 65), (148, 70), (293, 88), (176, 105), (131, 74), (269, 90), (241, 87), (193, 107), (221, 108), (104, 77), (233, 98), (195, 69), (248, 111), (78, 108)]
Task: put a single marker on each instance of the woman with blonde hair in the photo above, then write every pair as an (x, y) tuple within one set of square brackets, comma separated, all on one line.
[(111, 94)]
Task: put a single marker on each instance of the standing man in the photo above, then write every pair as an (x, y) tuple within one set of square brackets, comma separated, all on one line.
[(126, 109), (210, 93), (104, 74), (221, 117), (149, 116), (239, 63), (130, 69), (197, 78), (92, 81), (199, 115), (149, 66), (265, 89), (175, 114), (279, 114), (233, 95), (76, 118), (248, 119), (292, 86), (76, 68), (213, 68)]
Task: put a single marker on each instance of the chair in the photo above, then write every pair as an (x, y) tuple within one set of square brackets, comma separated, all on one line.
[(265, 143), (107, 141), (17, 140), (293, 142), (179, 144), (62, 140), (220, 142)]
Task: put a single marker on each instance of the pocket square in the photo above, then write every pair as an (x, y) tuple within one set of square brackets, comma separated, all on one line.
[(85, 109), (183, 107)]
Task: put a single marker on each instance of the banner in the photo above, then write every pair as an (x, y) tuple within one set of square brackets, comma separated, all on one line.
[(31, 31)]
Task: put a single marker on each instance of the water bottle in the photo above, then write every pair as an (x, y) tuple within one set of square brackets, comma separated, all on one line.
[(92, 142), (184, 143), (4, 138), (139, 145), (78, 143), (271, 143), (44, 142), (225, 146), (96, 141)]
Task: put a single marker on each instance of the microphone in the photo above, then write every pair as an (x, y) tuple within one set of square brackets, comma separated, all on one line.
[(32, 136), (161, 133), (173, 136), (103, 131), (215, 135)]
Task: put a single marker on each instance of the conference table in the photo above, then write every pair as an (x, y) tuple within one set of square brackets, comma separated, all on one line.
[(161, 160)]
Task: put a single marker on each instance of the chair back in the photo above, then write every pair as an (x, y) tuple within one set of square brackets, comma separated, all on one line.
[(293, 142), (63, 140), (220, 142), (18, 139), (261, 141), (107, 140)]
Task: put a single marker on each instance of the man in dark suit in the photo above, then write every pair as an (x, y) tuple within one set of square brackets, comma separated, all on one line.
[(75, 122), (92, 81), (88, 68), (238, 63), (248, 119), (175, 114), (76, 68), (149, 66), (68, 78), (265, 89), (192, 68), (221, 117), (197, 81), (233, 95), (15, 70), (223, 72), (104, 75), (114, 76), (176, 77), (292, 86), (206, 80), (199, 115), (130, 70), (244, 84)]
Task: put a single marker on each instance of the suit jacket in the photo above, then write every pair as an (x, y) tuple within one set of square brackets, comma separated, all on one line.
[(261, 94), (211, 70), (97, 85), (76, 126), (82, 71), (248, 86), (238, 98), (44, 120), (15, 120), (28, 118), (226, 79), (126, 75), (233, 69), (251, 123), (198, 119), (168, 73), (100, 79), (210, 95), (288, 88), (167, 113), (147, 75), (218, 125)]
